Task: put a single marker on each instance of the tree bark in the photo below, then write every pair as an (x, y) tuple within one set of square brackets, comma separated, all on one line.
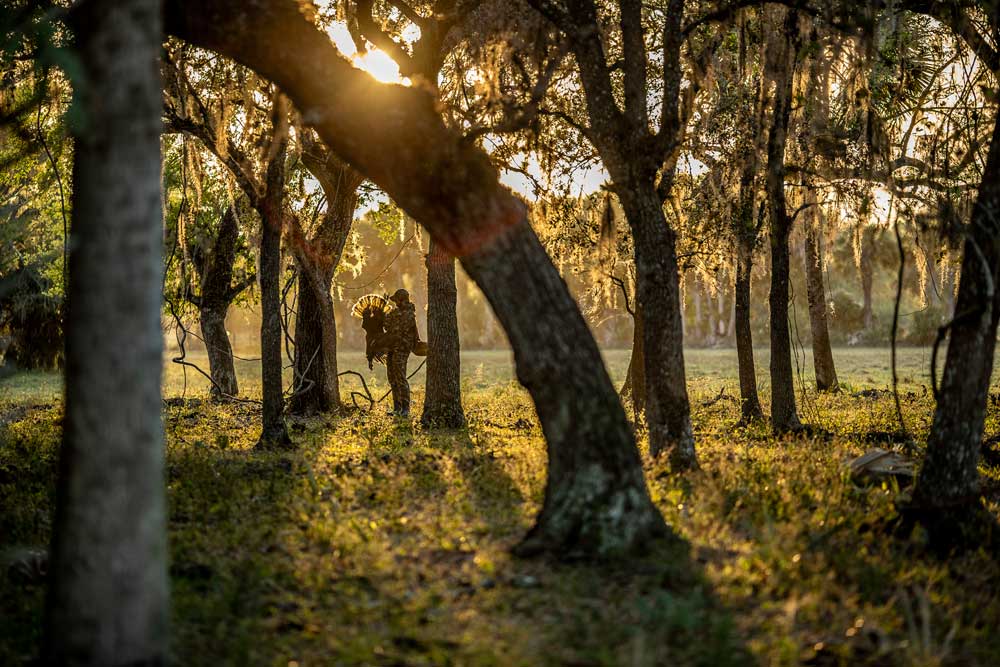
[(311, 393), (747, 223), (750, 409), (217, 294), (826, 372), (274, 434), (635, 383), (108, 597), (220, 353), (867, 269), (948, 482), (443, 397), (784, 416), (317, 258), (668, 413), (596, 501)]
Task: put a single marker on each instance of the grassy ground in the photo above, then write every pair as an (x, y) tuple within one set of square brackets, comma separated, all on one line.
[(379, 543)]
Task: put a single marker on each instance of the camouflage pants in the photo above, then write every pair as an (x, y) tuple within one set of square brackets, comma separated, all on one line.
[(396, 370)]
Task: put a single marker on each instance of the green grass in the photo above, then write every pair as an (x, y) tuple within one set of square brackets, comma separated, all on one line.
[(858, 367), (379, 543)]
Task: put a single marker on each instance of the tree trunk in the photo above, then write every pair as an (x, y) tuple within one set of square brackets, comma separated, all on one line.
[(108, 597), (635, 383), (220, 353), (443, 397), (328, 336), (826, 372), (273, 434), (668, 413), (215, 271), (317, 259), (948, 483), (750, 409), (310, 380), (867, 269), (784, 416), (315, 362), (596, 501)]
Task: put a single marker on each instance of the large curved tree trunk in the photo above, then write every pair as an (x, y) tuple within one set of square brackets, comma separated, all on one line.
[(596, 501), (948, 483), (826, 372), (108, 596), (443, 397), (781, 66), (668, 413)]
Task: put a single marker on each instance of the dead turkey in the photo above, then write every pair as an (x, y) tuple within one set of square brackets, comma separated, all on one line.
[(371, 309)]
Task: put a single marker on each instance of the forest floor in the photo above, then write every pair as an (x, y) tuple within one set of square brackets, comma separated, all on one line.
[(378, 543)]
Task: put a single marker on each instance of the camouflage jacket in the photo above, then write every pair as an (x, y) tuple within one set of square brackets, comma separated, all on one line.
[(401, 328)]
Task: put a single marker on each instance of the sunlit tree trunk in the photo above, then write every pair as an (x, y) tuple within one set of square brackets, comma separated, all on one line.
[(867, 270), (826, 372), (635, 382), (443, 397), (108, 597)]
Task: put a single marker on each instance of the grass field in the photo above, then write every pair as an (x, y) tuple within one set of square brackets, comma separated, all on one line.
[(707, 369), (377, 543)]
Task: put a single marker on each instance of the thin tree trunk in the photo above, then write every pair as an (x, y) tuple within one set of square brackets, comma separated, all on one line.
[(948, 483), (108, 597), (826, 372), (668, 413), (747, 224), (750, 409), (443, 397), (220, 353), (867, 269), (635, 382), (784, 416), (273, 434)]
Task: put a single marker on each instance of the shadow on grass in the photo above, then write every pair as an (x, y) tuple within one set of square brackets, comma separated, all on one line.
[(372, 543)]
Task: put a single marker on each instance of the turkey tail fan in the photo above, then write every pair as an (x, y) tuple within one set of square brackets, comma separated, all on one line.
[(372, 303)]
